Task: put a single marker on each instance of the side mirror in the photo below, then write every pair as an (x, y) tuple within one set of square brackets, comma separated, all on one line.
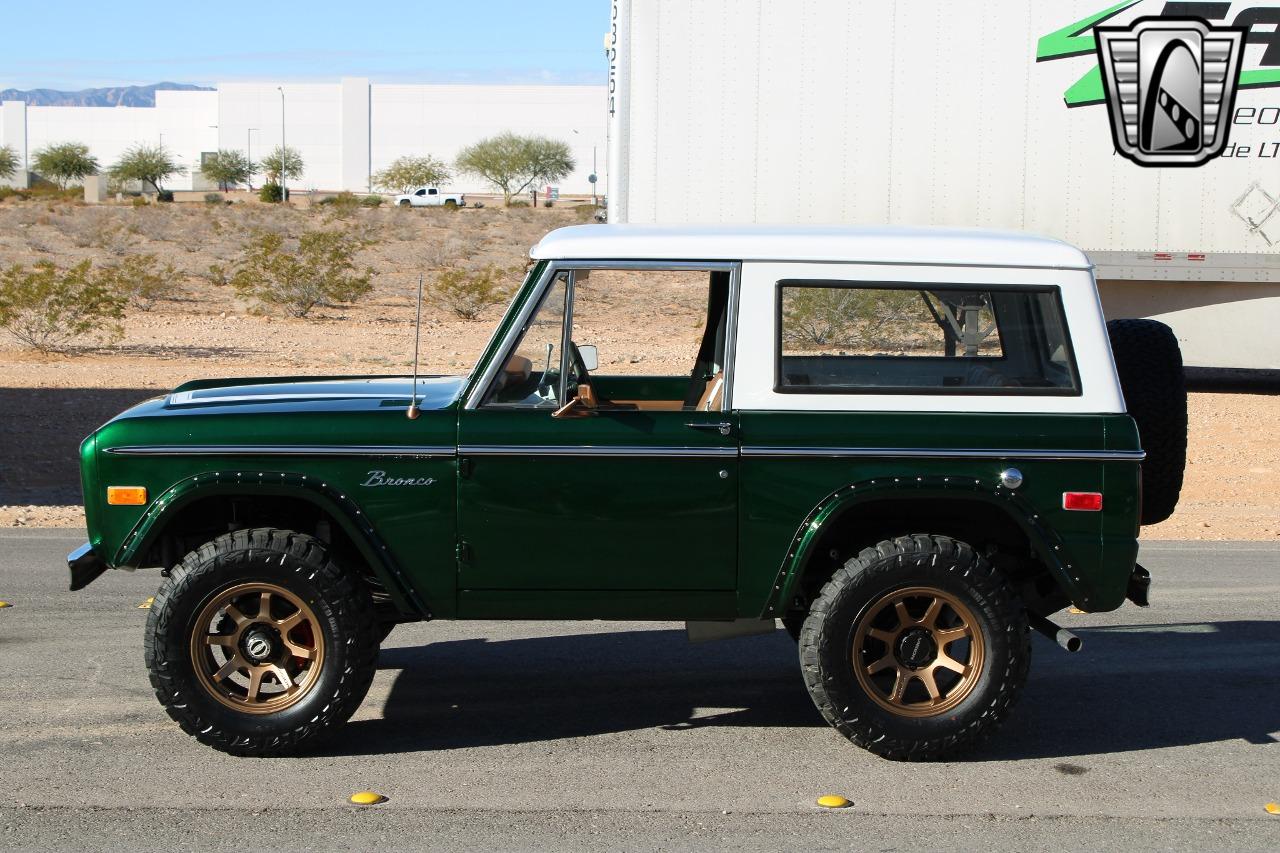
[(590, 357)]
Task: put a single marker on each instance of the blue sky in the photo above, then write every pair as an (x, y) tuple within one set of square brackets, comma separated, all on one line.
[(78, 44)]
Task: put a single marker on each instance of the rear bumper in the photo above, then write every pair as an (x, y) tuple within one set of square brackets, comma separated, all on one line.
[(85, 566)]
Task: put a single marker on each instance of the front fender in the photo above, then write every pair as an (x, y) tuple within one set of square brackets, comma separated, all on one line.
[(330, 500), (1046, 544)]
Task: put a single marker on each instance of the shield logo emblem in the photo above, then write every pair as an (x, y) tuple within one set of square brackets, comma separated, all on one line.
[(1170, 85)]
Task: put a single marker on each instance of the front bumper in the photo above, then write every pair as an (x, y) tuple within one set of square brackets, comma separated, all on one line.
[(85, 566)]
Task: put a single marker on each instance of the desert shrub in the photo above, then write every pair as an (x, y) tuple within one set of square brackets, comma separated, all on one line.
[(517, 203), (164, 196), (212, 198), (320, 271), (271, 193), (139, 201), (343, 205), (466, 293), (142, 279), (847, 317), (371, 201), (216, 275), (548, 203), (47, 307)]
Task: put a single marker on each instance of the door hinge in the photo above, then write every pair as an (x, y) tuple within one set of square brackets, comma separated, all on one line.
[(464, 466), (464, 553)]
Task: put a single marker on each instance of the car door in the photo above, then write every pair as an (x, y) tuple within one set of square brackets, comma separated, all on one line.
[(639, 492)]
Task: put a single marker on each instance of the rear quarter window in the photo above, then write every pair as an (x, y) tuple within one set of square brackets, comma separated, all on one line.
[(858, 337)]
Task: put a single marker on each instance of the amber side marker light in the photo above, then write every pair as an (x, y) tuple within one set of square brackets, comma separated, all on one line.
[(127, 495), (1082, 501)]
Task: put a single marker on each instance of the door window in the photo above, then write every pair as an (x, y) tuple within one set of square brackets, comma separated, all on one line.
[(638, 339), (530, 378)]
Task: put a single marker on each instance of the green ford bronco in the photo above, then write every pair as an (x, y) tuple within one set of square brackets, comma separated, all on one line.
[(910, 447)]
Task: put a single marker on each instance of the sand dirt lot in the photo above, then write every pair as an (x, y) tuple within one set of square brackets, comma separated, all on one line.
[(48, 403)]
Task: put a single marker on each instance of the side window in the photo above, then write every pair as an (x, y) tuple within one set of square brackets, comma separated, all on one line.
[(421, 192), (844, 337), (531, 376), (639, 339), (433, 191), (657, 337)]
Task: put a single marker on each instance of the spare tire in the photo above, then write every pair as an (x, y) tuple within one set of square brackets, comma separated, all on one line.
[(1149, 364)]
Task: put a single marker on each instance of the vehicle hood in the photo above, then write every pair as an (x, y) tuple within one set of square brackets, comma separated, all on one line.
[(319, 394)]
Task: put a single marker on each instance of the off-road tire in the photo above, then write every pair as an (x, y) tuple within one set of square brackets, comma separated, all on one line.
[(826, 653), (301, 565), (1149, 364)]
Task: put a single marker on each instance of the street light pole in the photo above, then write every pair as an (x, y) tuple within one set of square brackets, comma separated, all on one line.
[(248, 153), (284, 192)]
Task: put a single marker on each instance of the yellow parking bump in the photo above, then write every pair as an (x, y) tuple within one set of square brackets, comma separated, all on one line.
[(367, 798), (1272, 808), (833, 801), (146, 605), (5, 604)]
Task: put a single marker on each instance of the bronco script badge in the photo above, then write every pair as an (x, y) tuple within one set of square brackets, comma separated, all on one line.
[(1171, 86), (380, 478)]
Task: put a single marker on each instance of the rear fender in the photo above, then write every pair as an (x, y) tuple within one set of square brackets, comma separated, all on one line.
[(828, 512)]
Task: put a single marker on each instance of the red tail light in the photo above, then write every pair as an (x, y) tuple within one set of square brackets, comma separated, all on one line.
[(1082, 501)]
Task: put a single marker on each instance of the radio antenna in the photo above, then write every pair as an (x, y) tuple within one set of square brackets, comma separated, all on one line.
[(414, 411)]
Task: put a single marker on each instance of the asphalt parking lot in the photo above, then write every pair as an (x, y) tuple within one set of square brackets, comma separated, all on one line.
[(1163, 733)]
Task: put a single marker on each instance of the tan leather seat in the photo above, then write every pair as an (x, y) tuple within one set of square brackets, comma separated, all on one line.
[(712, 394)]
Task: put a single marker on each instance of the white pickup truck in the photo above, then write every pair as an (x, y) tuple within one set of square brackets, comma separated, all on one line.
[(431, 197)]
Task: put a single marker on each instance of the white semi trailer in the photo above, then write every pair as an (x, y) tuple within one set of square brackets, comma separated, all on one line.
[(944, 113)]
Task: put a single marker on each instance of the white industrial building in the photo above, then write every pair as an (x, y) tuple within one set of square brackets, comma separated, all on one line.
[(345, 131)]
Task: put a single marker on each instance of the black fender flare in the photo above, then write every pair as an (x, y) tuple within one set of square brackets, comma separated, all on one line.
[(1047, 545), (319, 493)]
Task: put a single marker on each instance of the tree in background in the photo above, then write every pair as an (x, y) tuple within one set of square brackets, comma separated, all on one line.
[(407, 173), (513, 163), (287, 161), (65, 162), (150, 164), (8, 161), (227, 168)]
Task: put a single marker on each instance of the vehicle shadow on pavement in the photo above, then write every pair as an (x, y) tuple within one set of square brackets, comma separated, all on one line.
[(40, 434), (1132, 688), (474, 692), (1136, 687)]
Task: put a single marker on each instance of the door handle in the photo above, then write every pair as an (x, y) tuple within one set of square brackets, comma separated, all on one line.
[(722, 427)]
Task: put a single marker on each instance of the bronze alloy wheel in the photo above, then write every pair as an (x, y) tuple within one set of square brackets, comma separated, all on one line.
[(918, 652), (257, 648)]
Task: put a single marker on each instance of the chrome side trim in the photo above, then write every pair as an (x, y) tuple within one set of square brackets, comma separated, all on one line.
[(945, 453), (592, 450), (282, 450)]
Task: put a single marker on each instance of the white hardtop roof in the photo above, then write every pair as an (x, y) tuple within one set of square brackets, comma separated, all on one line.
[(840, 243)]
